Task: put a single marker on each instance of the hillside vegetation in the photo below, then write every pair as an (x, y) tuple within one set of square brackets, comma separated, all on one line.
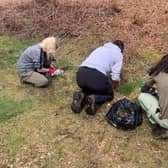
[(37, 127)]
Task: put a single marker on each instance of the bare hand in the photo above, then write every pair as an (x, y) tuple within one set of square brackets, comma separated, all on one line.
[(115, 84)]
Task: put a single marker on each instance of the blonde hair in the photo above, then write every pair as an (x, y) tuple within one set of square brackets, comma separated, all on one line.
[(49, 44)]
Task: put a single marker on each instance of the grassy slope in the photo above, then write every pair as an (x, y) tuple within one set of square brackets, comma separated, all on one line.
[(40, 130)]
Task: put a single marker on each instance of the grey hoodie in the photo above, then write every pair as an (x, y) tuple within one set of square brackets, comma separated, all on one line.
[(29, 59)]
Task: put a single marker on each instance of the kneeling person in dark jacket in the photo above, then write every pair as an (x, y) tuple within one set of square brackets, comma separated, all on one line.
[(92, 77)]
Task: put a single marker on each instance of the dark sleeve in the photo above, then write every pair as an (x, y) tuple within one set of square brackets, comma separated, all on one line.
[(148, 85), (150, 82)]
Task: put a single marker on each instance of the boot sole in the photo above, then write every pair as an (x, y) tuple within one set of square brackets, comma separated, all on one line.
[(76, 105), (91, 109)]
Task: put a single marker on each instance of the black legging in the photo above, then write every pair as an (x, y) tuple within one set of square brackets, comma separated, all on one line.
[(91, 81)]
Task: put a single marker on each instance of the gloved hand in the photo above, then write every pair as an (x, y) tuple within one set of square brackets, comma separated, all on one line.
[(55, 71), (151, 90), (145, 88)]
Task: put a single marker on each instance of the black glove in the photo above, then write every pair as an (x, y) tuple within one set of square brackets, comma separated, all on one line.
[(145, 88), (151, 90)]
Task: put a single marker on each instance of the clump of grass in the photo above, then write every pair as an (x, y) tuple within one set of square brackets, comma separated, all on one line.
[(150, 54), (11, 108), (128, 88), (64, 64)]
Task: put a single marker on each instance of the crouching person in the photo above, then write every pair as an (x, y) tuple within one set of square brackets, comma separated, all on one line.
[(35, 63), (92, 77), (155, 103)]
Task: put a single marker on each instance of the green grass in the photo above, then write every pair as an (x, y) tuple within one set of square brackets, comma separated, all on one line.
[(41, 130), (16, 141), (64, 64), (11, 108), (10, 50), (128, 88)]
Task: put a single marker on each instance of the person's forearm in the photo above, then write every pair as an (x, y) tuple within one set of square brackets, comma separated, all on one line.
[(43, 70)]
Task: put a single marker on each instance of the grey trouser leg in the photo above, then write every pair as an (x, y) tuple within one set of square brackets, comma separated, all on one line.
[(35, 78), (150, 105)]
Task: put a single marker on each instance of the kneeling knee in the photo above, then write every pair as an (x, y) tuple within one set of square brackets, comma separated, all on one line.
[(43, 83)]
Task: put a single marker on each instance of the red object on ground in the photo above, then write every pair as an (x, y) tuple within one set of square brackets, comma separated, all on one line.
[(52, 70)]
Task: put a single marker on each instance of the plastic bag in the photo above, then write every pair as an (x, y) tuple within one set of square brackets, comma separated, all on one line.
[(124, 114)]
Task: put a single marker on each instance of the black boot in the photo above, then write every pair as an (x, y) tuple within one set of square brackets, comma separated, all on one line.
[(91, 105), (78, 102), (159, 132)]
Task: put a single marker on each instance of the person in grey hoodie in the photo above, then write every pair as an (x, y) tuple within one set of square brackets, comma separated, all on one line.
[(93, 77), (35, 62)]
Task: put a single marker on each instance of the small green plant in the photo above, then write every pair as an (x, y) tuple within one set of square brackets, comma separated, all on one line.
[(11, 108), (128, 88)]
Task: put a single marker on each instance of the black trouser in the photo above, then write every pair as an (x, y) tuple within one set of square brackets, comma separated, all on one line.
[(91, 81)]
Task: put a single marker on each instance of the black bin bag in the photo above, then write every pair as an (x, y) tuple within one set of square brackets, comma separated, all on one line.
[(124, 115)]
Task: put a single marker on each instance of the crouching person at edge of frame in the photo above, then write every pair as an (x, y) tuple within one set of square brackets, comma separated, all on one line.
[(35, 63), (93, 77), (156, 104)]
